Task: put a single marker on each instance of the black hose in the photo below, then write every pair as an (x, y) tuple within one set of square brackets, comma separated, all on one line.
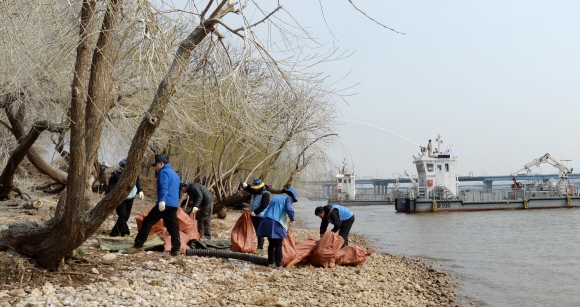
[(220, 253)]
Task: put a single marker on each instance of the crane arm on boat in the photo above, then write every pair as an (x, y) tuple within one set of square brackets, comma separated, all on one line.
[(546, 159)]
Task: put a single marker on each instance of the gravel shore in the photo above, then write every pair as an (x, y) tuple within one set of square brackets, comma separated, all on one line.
[(99, 278)]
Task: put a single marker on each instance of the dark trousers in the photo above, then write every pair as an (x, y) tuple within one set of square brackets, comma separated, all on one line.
[(169, 216), (123, 212), (256, 221), (345, 229), (204, 221), (275, 251)]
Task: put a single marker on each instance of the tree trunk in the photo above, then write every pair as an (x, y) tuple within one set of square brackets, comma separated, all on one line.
[(16, 119), (7, 177), (48, 244), (232, 201)]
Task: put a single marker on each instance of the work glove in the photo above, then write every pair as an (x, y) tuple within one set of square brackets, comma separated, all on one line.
[(141, 195), (161, 205), (195, 209), (252, 214), (244, 185)]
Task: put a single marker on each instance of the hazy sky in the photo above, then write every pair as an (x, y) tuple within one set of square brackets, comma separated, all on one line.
[(499, 80)]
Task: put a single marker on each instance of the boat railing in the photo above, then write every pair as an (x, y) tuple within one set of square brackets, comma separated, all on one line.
[(469, 195), (371, 197), (365, 197), (503, 194)]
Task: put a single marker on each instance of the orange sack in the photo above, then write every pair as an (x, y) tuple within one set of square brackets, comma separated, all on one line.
[(184, 239), (188, 224), (288, 248), (303, 251), (325, 251), (352, 255), (243, 237), (157, 229)]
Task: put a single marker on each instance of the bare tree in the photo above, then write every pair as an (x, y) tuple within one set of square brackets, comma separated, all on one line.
[(124, 45)]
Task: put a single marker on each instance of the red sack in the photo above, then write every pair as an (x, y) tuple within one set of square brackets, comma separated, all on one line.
[(242, 237), (188, 224), (288, 248), (157, 229), (325, 250), (184, 239), (303, 250), (352, 255)]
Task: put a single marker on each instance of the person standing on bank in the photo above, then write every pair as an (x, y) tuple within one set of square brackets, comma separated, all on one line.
[(259, 201), (165, 208), (341, 217), (124, 209), (275, 223), (202, 200)]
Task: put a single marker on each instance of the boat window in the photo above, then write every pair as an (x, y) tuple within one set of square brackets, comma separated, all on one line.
[(439, 168), (339, 180), (446, 167), (349, 180), (429, 167)]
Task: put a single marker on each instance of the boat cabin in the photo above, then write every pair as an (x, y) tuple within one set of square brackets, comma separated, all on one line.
[(345, 186), (436, 172)]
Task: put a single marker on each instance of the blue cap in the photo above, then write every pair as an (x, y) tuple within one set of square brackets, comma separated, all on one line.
[(160, 159), (182, 184), (257, 183), (292, 193), (123, 163)]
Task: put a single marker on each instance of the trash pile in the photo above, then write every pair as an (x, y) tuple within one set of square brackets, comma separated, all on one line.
[(326, 252)]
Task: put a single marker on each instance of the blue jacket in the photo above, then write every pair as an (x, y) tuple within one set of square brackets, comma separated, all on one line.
[(278, 205), (259, 200), (336, 215), (168, 186)]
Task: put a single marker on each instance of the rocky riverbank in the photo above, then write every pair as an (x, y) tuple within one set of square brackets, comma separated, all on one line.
[(97, 278)]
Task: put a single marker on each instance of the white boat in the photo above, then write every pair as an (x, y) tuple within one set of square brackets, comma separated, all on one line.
[(346, 192), (437, 188)]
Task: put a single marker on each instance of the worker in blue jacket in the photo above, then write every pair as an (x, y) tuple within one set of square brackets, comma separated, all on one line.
[(341, 217), (165, 208), (275, 223)]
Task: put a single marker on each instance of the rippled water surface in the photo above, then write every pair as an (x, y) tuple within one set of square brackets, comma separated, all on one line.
[(504, 258)]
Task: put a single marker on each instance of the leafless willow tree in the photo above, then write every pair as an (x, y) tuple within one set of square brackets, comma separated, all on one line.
[(165, 78)]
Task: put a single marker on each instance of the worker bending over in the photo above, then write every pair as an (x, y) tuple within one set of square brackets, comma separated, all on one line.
[(339, 216), (200, 198)]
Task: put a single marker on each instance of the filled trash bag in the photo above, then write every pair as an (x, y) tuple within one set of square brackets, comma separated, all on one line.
[(243, 237), (352, 255), (184, 239), (288, 248), (188, 224), (324, 253), (303, 250), (157, 229)]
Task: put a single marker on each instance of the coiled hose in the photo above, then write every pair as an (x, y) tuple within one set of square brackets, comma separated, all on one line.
[(226, 254)]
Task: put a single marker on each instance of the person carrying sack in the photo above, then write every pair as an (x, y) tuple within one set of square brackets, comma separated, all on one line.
[(201, 199), (259, 201)]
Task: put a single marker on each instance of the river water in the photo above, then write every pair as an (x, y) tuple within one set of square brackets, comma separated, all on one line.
[(502, 258)]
